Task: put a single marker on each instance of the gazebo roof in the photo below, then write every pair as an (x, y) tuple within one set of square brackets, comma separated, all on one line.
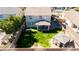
[(40, 23)]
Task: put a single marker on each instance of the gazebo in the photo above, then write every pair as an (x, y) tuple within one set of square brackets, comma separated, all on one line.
[(43, 25)]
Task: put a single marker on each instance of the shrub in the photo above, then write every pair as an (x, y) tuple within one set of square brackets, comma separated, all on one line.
[(10, 24)]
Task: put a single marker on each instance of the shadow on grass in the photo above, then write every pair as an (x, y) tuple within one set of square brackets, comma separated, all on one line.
[(26, 40), (53, 31)]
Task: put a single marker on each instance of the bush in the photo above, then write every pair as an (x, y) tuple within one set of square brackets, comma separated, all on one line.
[(26, 39), (10, 24)]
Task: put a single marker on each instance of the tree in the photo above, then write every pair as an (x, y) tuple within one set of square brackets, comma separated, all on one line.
[(10, 24)]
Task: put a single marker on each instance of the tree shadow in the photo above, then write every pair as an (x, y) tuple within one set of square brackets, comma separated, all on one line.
[(53, 31), (26, 40)]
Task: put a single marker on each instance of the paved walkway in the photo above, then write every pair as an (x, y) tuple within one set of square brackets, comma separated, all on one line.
[(37, 46), (2, 35), (53, 45)]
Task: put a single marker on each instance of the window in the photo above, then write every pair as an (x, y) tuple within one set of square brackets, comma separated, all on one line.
[(30, 17), (60, 8), (74, 26), (30, 23), (77, 30), (40, 17), (45, 17), (1, 16), (52, 9), (69, 23)]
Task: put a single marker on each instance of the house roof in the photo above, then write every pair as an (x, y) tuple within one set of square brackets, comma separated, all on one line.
[(42, 23), (38, 11), (9, 10), (73, 16)]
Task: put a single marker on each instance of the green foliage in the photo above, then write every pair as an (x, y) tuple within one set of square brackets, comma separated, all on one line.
[(31, 36), (42, 39), (26, 39), (10, 24)]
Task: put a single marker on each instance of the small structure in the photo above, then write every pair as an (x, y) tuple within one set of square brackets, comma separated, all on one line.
[(43, 25), (62, 40)]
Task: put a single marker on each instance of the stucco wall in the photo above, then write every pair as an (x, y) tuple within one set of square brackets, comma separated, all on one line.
[(30, 22)]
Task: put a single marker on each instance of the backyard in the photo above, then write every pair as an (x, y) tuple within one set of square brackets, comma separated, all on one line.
[(31, 36)]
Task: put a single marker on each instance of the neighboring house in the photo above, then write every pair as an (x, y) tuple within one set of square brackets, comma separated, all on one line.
[(39, 17), (6, 11), (59, 11), (72, 26)]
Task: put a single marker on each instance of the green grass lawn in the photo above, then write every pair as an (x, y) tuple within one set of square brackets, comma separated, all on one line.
[(28, 38)]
